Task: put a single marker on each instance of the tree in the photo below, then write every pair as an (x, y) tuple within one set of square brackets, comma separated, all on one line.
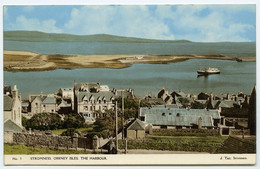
[(44, 121), (197, 105), (73, 121), (24, 122), (131, 106), (105, 126), (70, 132)]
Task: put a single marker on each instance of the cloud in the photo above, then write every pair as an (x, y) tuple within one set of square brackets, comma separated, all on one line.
[(136, 21), (28, 8), (5, 12), (207, 23), (203, 23), (24, 23)]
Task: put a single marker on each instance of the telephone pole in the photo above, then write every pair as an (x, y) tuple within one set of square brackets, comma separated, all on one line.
[(123, 114), (116, 129)]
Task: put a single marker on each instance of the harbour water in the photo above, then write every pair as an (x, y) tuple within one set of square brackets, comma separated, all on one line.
[(144, 78), (232, 49)]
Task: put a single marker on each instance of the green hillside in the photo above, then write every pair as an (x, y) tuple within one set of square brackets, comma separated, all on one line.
[(35, 36), (235, 145)]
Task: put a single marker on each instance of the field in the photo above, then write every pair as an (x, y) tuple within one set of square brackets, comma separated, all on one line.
[(207, 144)]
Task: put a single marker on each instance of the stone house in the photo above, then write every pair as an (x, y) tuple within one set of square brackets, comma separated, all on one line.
[(203, 96), (171, 118), (136, 130), (92, 105), (13, 106), (65, 93), (64, 107), (165, 96), (42, 103), (92, 99)]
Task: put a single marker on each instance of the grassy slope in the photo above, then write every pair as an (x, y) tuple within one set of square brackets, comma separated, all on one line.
[(235, 145), (197, 144), (60, 131), (35, 36), (22, 149)]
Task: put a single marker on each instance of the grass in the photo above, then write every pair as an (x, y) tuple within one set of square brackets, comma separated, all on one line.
[(60, 131), (197, 144), (12, 149)]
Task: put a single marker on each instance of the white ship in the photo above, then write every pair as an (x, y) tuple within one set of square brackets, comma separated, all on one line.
[(208, 71)]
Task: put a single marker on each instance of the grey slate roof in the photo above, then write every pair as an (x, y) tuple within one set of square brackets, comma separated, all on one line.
[(103, 94), (228, 103), (87, 85), (9, 125), (166, 106), (64, 104), (8, 102), (137, 125), (49, 100), (40, 97), (66, 89), (178, 117)]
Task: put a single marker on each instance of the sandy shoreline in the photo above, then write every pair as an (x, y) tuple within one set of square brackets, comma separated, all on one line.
[(28, 61)]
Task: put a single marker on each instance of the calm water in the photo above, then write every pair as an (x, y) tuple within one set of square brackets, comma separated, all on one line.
[(144, 78), (243, 49)]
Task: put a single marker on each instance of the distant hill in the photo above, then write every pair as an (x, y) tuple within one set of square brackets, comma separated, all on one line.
[(35, 36)]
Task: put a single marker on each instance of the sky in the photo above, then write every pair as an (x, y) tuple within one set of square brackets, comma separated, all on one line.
[(198, 23)]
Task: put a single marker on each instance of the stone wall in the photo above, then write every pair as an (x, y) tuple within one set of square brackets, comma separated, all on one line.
[(239, 132), (8, 137), (52, 141)]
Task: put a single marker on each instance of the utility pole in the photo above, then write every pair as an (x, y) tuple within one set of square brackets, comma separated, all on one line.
[(123, 119), (116, 129), (138, 111)]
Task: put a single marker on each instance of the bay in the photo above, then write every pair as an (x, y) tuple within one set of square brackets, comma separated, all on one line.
[(144, 78), (232, 49)]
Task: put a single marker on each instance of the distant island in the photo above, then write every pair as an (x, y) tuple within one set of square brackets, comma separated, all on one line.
[(36, 36), (17, 61)]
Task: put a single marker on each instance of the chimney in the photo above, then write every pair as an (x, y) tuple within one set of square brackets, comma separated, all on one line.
[(199, 123), (15, 92)]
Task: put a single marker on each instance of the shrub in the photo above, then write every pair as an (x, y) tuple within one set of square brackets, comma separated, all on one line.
[(70, 132), (44, 121)]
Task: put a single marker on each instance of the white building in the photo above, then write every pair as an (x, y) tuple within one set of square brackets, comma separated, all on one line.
[(12, 106)]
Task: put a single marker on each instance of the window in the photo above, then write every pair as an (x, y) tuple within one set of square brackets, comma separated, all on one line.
[(14, 115), (36, 104), (100, 108), (99, 101), (178, 114), (105, 101), (163, 114), (86, 107)]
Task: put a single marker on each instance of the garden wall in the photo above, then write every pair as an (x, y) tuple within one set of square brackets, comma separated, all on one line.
[(52, 141)]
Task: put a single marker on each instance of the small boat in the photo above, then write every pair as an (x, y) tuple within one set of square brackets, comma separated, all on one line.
[(208, 71)]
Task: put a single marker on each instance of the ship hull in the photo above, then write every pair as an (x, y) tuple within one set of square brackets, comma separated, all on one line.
[(207, 73)]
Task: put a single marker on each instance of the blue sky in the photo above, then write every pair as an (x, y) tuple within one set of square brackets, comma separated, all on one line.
[(200, 23)]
